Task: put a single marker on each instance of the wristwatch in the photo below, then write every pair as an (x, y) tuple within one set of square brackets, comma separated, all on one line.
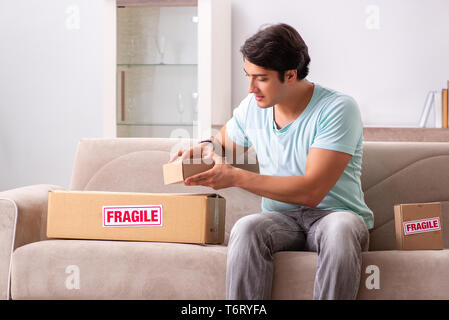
[(210, 141)]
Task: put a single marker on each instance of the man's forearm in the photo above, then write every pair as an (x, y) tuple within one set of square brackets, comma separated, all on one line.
[(295, 190), (225, 147)]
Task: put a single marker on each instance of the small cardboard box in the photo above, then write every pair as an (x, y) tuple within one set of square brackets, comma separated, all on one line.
[(185, 218), (418, 226), (178, 171)]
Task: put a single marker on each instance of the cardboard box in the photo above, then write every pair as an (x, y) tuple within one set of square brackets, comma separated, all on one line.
[(418, 226), (186, 218), (178, 171)]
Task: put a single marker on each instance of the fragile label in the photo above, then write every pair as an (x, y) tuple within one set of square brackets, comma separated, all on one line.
[(132, 216), (422, 225)]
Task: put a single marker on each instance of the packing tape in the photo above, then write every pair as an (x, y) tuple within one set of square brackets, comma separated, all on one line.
[(216, 219)]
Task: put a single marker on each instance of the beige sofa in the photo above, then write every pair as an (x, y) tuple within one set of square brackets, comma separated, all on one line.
[(34, 267)]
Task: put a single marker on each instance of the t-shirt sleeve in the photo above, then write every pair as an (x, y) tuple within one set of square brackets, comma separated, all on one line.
[(340, 126), (236, 127)]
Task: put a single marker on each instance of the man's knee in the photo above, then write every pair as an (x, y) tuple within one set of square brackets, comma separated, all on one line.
[(247, 227), (341, 228), (344, 221)]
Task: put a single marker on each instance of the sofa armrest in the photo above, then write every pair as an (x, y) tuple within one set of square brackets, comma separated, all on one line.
[(23, 219)]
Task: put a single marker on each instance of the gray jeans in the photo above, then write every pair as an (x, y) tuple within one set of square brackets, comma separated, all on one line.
[(338, 237)]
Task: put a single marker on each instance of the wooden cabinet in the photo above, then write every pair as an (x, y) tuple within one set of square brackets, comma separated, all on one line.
[(406, 134)]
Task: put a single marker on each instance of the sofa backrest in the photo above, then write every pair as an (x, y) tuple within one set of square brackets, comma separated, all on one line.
[(392, 173), (135, 165), (403, 172)]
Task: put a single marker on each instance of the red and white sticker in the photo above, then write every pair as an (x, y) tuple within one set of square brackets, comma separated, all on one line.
[(132, 216), (422, 225)]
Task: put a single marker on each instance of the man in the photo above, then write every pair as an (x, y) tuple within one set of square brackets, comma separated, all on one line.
[(308, 140)]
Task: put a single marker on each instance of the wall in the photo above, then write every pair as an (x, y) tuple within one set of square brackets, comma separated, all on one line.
[(58, 76), (52, 85), (387, 54)]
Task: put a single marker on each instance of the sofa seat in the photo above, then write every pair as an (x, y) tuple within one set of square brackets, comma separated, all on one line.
[(118, 270), (156, 270), (414, 274)]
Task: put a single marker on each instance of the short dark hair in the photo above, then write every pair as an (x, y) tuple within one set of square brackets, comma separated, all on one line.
[(278, 47)]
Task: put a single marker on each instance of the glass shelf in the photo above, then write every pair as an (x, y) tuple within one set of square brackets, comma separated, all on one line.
[(155, 35), (163, 130), (156, 64), (158, 124), (157, 94)]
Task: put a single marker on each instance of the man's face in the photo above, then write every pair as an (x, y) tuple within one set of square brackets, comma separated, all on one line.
[(264, 84)]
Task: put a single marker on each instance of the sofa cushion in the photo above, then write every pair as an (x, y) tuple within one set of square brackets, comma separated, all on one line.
[(151, 270), (392, 173), (401, 275), (135, 165), (109, 155), (51, 269), (8, 219), (403, 172)]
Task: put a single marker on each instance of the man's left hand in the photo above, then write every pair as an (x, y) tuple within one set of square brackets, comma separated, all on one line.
[(222, 175)]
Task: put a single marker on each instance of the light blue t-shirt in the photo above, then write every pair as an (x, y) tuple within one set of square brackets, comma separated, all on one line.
[(330, 121)]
